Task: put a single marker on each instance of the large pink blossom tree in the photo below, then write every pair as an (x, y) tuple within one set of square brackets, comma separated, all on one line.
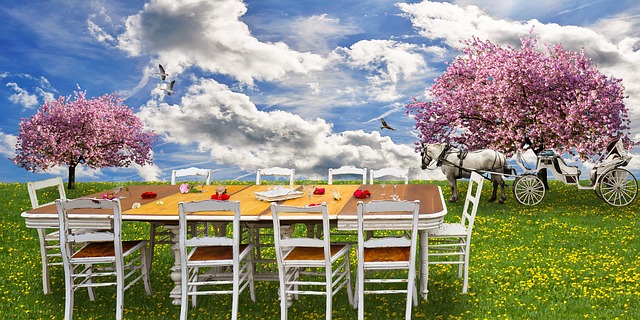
[(98, 132), (512, 99)]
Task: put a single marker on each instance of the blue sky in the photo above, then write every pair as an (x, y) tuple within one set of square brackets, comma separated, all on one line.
[(277, 83)]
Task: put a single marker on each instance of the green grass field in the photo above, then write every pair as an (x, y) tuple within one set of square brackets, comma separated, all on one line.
[(570, 257)]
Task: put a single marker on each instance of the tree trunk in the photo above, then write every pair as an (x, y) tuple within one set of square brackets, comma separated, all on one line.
[(72, 177)]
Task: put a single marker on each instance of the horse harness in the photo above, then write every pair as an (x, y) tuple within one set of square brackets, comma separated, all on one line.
[(462, 154)]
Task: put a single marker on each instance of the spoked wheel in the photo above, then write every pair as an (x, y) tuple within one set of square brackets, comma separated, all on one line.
[(528, 190), (618, 187)]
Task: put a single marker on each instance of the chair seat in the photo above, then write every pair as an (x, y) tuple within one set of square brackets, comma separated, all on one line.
[(215, 253), (387, 254), (106, 249), (448, 230), (312, 253)]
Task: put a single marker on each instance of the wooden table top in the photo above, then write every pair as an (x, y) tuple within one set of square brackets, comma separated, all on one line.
[(165, 206)]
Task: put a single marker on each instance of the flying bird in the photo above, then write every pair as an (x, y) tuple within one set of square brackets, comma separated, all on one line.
[(169, 89), (385, 125), (163, 75)]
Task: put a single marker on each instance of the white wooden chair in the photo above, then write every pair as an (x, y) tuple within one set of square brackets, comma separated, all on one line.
[(198, 173), (387, 252), (275, 171), (260, 232), (213, 253), (348, 170), (403, 174), (49, 237), (99, 258), (158, 234), (454, 239), (300, 256)]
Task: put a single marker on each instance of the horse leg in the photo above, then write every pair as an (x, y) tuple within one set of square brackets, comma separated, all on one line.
[(454, 189), (503, 197), (495, 189)]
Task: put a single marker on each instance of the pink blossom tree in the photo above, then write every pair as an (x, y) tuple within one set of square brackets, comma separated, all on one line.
[(513, 99), (98, 132)]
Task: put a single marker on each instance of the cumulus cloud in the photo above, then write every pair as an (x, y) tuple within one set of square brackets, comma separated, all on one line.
[(8, 144), (316, 33), (234, 132), (22, 96), (209, 35), (388, 62)]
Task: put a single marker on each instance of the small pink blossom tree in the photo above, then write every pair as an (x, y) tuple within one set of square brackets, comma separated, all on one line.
[(99, 132), (513, 99)]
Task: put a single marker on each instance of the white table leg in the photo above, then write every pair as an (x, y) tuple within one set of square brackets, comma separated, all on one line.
[(424, 263), (176, 275)]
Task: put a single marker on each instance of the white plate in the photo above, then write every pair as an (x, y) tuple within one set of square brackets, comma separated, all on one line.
[(278, 194)]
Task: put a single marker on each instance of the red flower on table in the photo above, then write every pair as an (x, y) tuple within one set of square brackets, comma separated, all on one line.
[(220, 196), (362, 194), (149, 195)]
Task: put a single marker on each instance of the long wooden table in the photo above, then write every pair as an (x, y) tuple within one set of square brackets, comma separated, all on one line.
[(164, 208)]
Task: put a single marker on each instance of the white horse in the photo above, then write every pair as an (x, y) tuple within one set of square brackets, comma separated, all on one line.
[(456, 164)]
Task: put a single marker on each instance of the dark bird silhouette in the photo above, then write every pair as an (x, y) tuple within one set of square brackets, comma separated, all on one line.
[(385, 125), (169, 89), (163, 75)]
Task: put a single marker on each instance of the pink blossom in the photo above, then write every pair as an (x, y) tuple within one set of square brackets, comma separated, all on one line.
[(512, 99), (98, 132)]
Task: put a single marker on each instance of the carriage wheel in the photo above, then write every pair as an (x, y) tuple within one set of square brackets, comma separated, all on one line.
[(618, 187), (528, 190)]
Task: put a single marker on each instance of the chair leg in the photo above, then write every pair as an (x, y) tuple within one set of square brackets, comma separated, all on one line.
[(348, 272), (360, 286), (69, 292), (119, 290), (46, 287), (283, 296), (91, 290)]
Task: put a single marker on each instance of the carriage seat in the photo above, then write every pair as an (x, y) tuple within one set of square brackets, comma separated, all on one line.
[(563, 168)]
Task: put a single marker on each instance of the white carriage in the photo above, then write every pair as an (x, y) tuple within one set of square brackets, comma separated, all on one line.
[(613, 184)]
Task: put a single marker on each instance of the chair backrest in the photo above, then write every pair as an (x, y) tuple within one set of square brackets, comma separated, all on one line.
[(394, 172), (70, 236), (33, 187), (275, 171), (472, 200), (292, 214), (191, 172), (347, 170), (188, 213)]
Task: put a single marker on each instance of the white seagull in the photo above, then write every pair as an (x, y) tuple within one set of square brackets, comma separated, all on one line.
[(163, 75), (169, 89)]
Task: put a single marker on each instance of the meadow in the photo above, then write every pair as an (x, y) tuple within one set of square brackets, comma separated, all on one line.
[(570, 257)]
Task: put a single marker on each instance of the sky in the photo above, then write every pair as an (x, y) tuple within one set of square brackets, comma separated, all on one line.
[(261, 83)]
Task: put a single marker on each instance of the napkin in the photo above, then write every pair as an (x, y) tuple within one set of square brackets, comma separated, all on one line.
[(318, 191), (361, 194)]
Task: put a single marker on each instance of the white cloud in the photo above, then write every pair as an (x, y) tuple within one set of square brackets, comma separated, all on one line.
[(317, 33), (209, 35), (22, 96), (388, 63), (82, 172), (148, 172), (8, 144), (235, 133), (98, 33)]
